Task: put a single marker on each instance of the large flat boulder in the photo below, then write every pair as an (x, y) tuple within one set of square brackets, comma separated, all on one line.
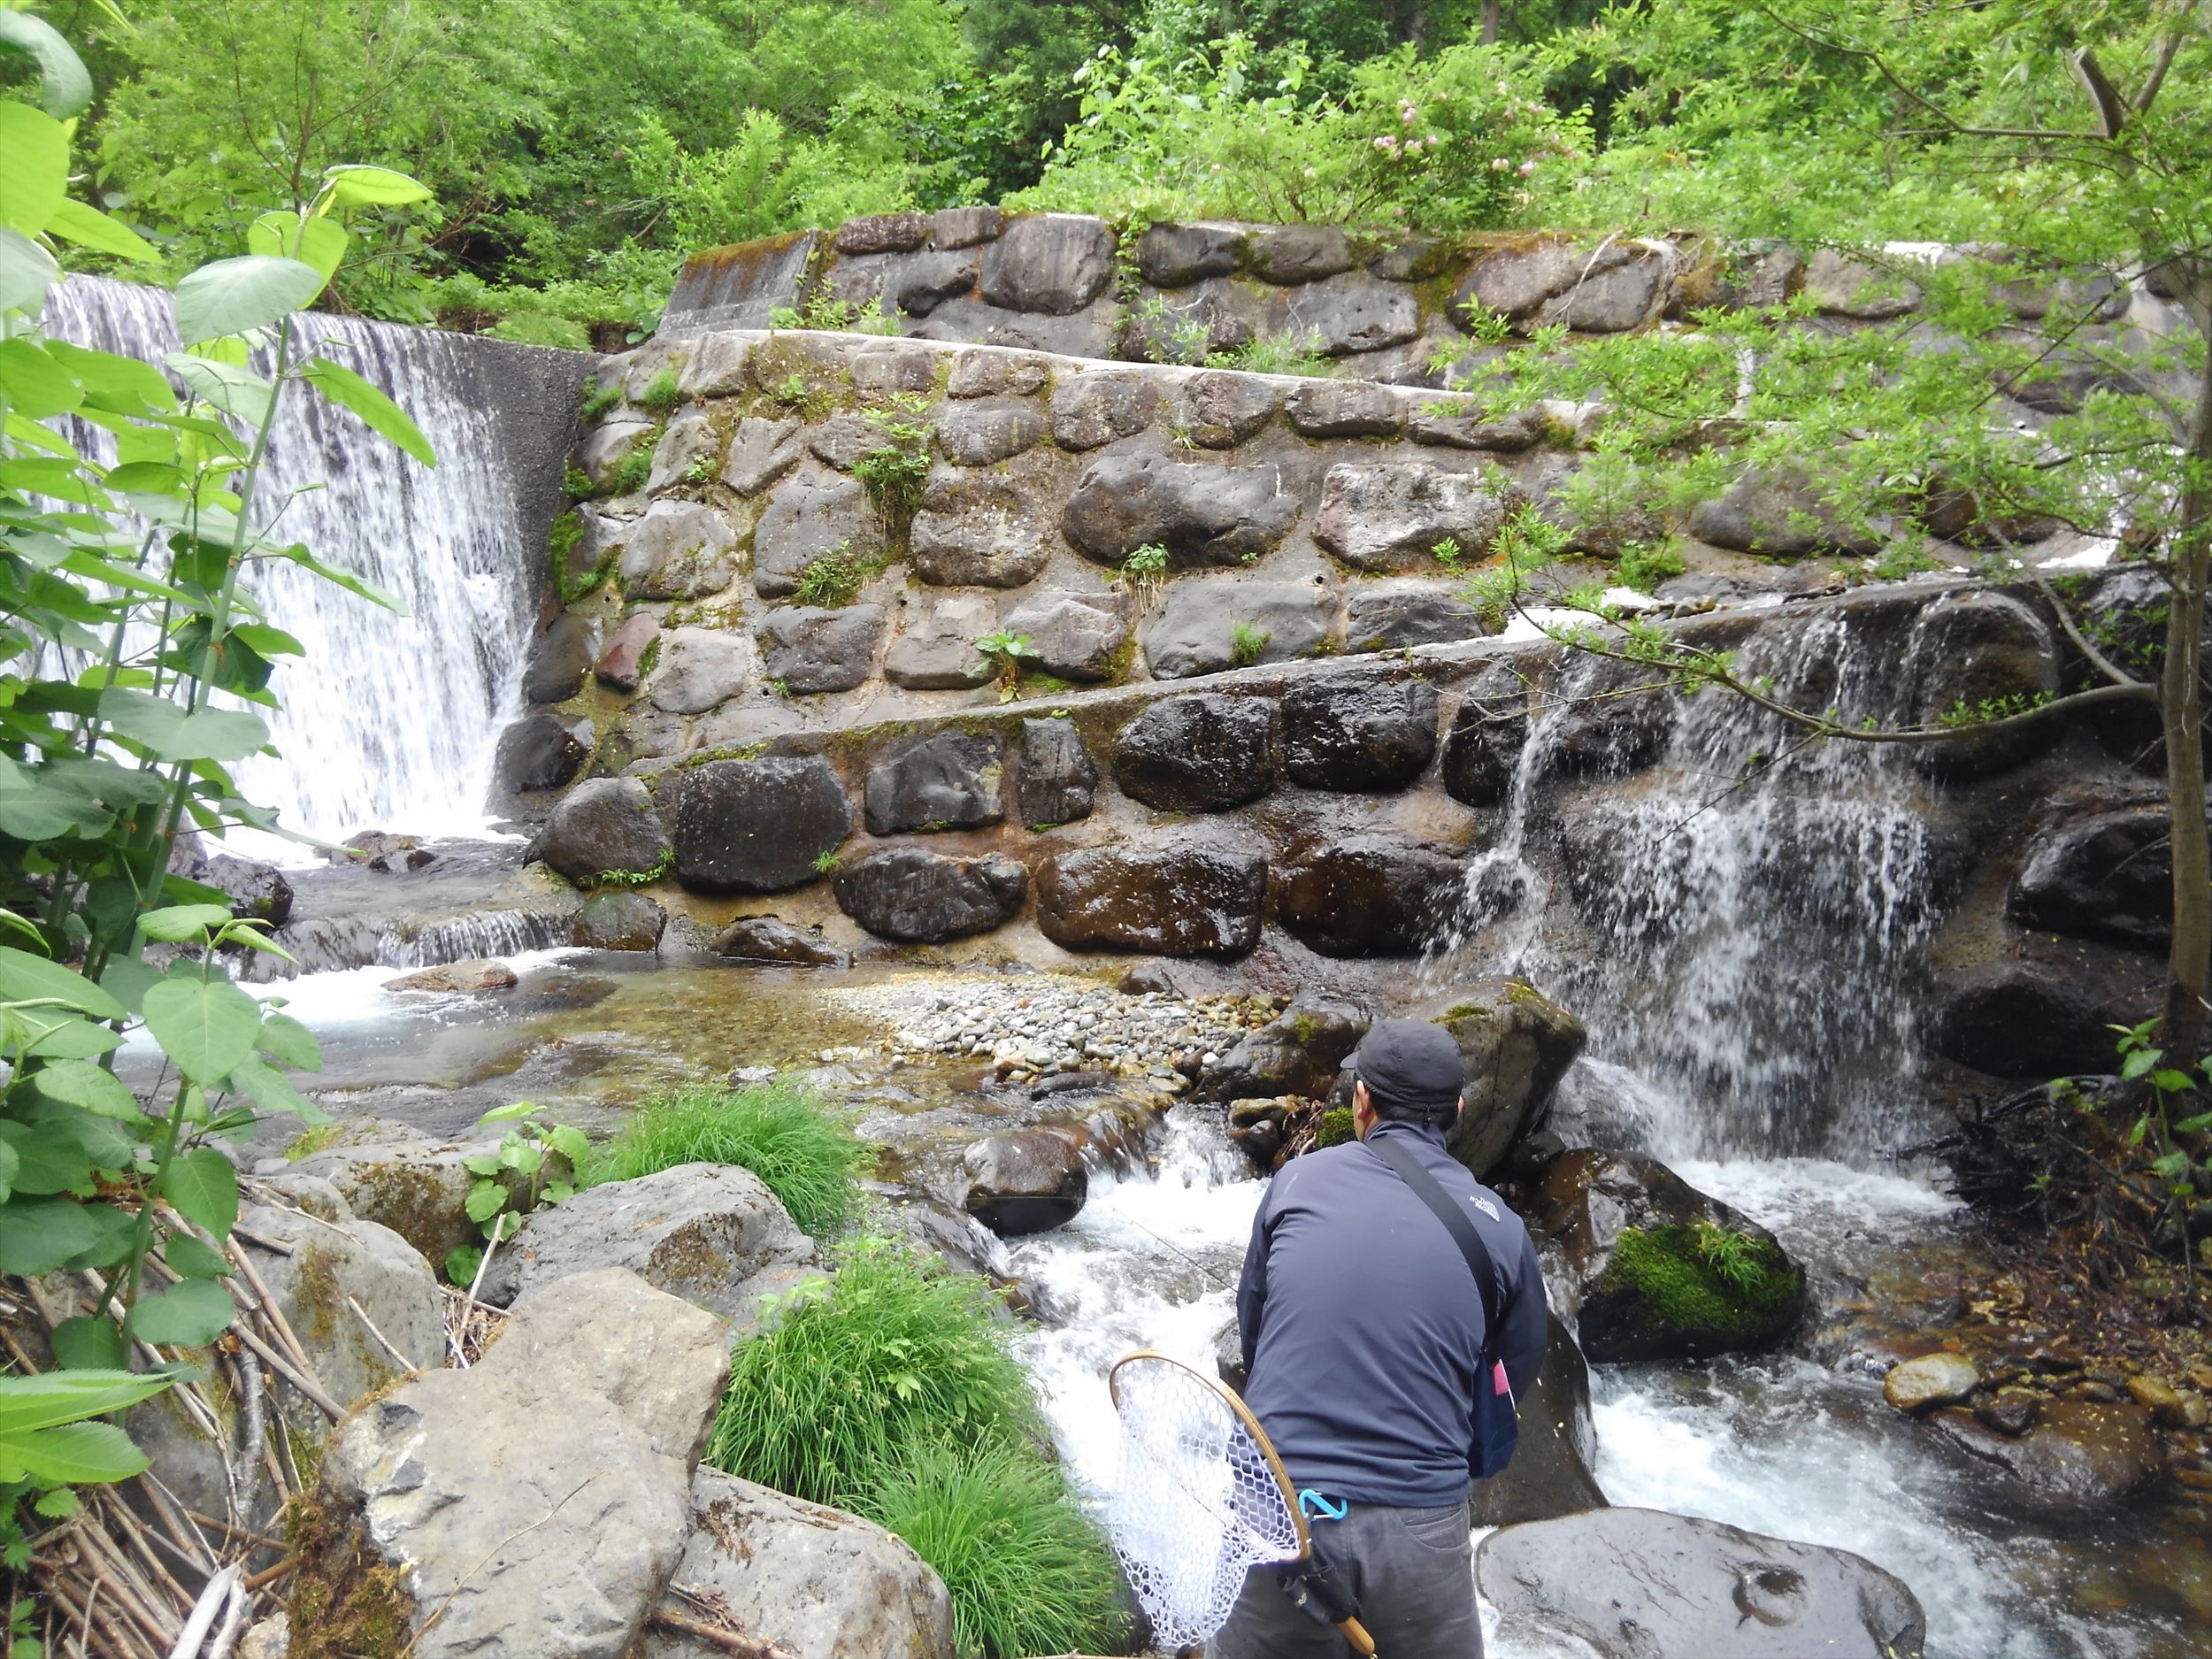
[(1391, 516), (1023, 1181), (952, 780), (2101, 875), (918, 896), (604, 827), (711, 1234), (1201, 753), (754, 826), (977, 530), (1175, 901), (1209, 625), (1368, 895), (1202, 514), (1357, 732)]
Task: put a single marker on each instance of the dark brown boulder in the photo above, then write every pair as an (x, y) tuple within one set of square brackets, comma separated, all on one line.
[(1367, 895), (772, 939), (754, 826), (1172, 901), (1357, 732), (1197, 754), (921, 897), (1025, 1182)]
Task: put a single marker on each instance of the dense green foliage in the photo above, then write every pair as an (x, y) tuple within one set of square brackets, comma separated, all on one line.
[(805, 1153), (1701, 1278), (892, 1391)]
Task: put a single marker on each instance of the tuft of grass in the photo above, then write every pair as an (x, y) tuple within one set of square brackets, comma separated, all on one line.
[(832, 580), (599, 400), (634, 470), (1248, 642), (661, 396), (807, 1157), (1029, 1571), (1645, 565)]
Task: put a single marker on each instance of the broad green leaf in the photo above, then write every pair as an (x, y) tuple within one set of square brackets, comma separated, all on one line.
[(2172, 1082), (37, 1235), (345, 579), (36, 804), (129, 980), (37, 385), (190, 1259), (233, 295), (10, 1166), (76, 1454), (33, 167), (484, 1164), (48, 1159), (2140, 1063), (87, 1087), (65, 86), (190, 1315), (90, 228), (53, 1398), (558, 1193), (25, 978), (267, 641), (383, 417), (2193, 1126), (570, 1144), (486, 1200), (461, 1263), (176, 922), (509, 1112), (90, 1342), (288, 1042), (172, 734), (26, 270), (231, 387), (373, 186), (319, 243), (206, 1026), (273, 1092), (116, 1232), (124, 385), (68, 1039), (201, 1186)]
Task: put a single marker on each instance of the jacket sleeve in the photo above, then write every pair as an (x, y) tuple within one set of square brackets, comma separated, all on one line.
[(1252, 1289), (1527, 1322)]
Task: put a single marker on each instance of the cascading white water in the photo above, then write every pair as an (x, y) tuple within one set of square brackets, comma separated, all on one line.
[(389, 721)]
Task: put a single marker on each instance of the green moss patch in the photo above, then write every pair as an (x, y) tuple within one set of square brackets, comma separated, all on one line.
[(1685, 1282), (344, 1602), (1334, 1129)]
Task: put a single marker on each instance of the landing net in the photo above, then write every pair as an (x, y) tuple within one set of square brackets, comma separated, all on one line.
[(1199, 1502)]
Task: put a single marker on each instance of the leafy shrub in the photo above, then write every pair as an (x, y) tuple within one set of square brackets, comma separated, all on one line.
[(892, 1354), (807, 1157), (1029, 1571), (536, 328)]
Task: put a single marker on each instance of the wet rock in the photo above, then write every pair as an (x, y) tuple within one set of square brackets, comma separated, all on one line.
[(1197, 754), (1076, 636), (806, 518), (255, 890), (1358, 732), (1089, 410), (2011, 1411), (769, 938), (2106, 875), (761, 449), (1226, 409), (1207, 626), (815, 1582), (458, 979), (949, 782), (1390, 516), (1845, 287), (622, 664), (1026, 1181), (619, 920), (1202, 514), (1391, 616), (1052, 263), (1346, 409), (2021, 1019), (1637, 1248), (1291, 254), (604, 1388), (2080, 1459), (754, 826), (604, 828), (920, 897), (1778, 514), (1297, 1053), (1058, 780), (1483, 750), (1549, 1475), (1458, 423), (1367, 895), (711, 1234), (988, 430), (977, 530), (938, 653), (700, 669), (812, 649), (1176, 256), (559, 659), (540, 751), (1180, 900), (1517, 1044), (1355, 316), (679, 550), (1933, 1379), (1636, 1583)]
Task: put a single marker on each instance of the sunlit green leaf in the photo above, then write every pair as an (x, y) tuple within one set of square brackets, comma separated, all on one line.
[(233, 295), (382, 416), (206, 1026), (319, 243), (373, 186), (288, 1042), (179, 921), (486, 1199), (188, 1258), (64, 86), (189, 1315), (33, 167), (273, 1092), (201, 1186), (35, 384), (90, 228), (26, 270), (25, 978), (231, 387)]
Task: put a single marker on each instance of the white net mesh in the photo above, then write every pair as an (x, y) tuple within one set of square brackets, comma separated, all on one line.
[(1197, 1505)]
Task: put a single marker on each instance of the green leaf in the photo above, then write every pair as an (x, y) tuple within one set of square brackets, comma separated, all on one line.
[(271, 1091), (201, 1186), (177, 922), (25, 978), (33, 167), (522, 1157), (26, 270), (268, 641), (52, 1398), (558, 1193), (288, 1042), (65, 86), (461, 1263), (382, 416), (2192, 1126), (89, 1087), (190, 1315), (2172, 1166), (2172, 1082), (90, 228), (319, 243), (38, 1234), (344, 579), (116, 1233), (231, 297), (37, 385), (36, 806), (509, 1112), (570, 1144), (373, 186), (482, 1163), (48, 1159), (68, 1039), (172, 734), (486, 1200), (2139, 1062), (206, 1026), (231, 387), (57, 1505), (191, 1259), (77, 1454), (124, 385), (90, 1342)]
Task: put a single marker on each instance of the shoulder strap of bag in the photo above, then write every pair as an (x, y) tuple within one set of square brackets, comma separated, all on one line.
[(1400, 1157)]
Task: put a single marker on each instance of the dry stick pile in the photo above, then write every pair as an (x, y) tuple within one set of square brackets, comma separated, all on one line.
[(143, 1576)]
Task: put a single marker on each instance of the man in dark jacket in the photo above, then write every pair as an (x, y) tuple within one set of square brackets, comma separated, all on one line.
[(1371, 1368)]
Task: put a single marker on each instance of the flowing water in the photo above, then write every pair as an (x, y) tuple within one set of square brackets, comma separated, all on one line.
[(389, 721)]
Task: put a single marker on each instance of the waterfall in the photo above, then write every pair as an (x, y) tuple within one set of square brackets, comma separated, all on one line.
[(388, 721), (1743, 926)]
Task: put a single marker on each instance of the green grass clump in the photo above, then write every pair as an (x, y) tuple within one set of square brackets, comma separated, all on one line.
[(1029, 1571), (1335, 1128), (1645, 565), (832, 580), (661, 396), (599, 402), (807, 1157), (1692, 1282), (634, 470)]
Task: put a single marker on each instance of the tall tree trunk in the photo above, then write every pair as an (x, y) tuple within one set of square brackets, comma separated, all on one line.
[(1490, 9), (2181, 710)]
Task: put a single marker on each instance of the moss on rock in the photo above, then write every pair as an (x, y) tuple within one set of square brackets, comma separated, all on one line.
[(1679, 1294), (1334, 1129), (343, 1601)]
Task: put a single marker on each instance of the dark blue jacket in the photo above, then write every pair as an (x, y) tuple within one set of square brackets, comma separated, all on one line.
[(1363, 1327)]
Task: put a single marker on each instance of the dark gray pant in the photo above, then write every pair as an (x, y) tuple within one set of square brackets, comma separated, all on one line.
[(1413, 1571)]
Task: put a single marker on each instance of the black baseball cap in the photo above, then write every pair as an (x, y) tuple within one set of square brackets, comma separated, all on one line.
[(1410, 1065)]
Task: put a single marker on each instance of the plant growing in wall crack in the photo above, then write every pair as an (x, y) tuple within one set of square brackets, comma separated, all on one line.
[(893, 474), (1005, 653)]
